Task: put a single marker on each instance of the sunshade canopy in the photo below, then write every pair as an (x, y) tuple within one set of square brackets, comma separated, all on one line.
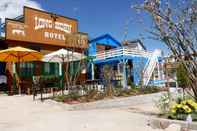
[(19, 54), (63, 55)]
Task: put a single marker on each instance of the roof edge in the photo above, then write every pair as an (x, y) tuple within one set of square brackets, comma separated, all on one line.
[(103, 36)]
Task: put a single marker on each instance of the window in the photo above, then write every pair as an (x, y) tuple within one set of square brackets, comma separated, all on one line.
[(50, 69), (26, 69), (47, 68)]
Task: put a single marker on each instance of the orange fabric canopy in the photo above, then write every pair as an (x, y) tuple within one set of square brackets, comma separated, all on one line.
[(19, 54)]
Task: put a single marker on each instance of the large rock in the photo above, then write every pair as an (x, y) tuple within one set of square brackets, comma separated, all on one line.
[(173, 127)]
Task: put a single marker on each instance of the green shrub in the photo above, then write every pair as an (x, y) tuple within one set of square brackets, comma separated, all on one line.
[(59, 98), (71, 96), (94, 95), (182, 116), (164, 103), (135, 91), (178, 110), (74, 95), (149, 89)]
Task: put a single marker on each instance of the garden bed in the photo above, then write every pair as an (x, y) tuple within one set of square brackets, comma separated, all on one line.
[(95, 95), (177, 107)]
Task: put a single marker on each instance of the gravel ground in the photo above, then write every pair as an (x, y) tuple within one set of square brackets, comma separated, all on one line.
[(21, 113)]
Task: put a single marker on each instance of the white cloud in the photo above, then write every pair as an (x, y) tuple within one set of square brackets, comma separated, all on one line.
[(14, 8)]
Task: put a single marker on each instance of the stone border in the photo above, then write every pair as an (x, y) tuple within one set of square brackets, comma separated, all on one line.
[(158, 122)]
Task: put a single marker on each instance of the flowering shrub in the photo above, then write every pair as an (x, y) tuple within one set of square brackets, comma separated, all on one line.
[(177, 107), (186, 106), (182, 109)]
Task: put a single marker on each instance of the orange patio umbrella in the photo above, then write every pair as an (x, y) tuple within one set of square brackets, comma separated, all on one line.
[(19, 54)]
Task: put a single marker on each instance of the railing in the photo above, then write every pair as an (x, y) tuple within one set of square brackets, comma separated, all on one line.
[(150, 66), (124, 51)]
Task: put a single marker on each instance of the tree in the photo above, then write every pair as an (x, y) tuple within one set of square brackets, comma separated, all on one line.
[(182, 76), (108, 76), (175, 24), (73, 68)]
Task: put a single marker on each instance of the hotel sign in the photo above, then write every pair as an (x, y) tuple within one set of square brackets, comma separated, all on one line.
[(45, 28)]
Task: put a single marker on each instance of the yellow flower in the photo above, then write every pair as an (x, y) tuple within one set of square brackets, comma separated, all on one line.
[(192, 104), (178, 105), (173, 110), (190, 101), (187, 109), (174, 106), (184, 102)]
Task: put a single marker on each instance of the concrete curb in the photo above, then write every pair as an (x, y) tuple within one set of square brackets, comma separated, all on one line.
[(158, 123)]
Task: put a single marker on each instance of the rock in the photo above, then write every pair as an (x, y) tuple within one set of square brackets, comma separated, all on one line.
[(151, 129), (173, 127)]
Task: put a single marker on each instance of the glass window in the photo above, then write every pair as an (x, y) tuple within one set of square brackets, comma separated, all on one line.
[(26, 69), (50, 69), (47, 68)]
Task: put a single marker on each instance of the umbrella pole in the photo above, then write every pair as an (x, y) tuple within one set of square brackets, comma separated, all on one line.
[(19, 86), (14, 77)]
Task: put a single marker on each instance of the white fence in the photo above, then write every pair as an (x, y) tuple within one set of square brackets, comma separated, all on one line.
[(124, 51)]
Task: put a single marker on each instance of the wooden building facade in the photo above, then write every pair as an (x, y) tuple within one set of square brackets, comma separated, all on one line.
[(45, 32)]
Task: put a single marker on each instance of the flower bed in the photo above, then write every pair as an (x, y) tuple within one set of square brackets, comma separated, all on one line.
[(181, 110), (95, 95), (178, 108)]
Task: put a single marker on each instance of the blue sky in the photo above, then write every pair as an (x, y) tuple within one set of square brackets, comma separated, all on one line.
[(97, 17)]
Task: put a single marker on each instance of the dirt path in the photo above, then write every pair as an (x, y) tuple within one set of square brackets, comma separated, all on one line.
[(20, 113)]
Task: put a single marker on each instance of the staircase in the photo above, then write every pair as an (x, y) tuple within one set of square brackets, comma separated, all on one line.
[(150, 66)]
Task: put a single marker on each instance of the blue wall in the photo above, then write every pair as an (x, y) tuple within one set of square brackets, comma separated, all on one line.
[(137, 61), (138, 65)]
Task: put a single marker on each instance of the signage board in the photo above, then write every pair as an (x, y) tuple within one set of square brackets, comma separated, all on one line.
[(46, 28)]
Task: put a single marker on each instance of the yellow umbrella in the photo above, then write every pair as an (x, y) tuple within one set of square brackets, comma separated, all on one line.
[(19, 54)]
